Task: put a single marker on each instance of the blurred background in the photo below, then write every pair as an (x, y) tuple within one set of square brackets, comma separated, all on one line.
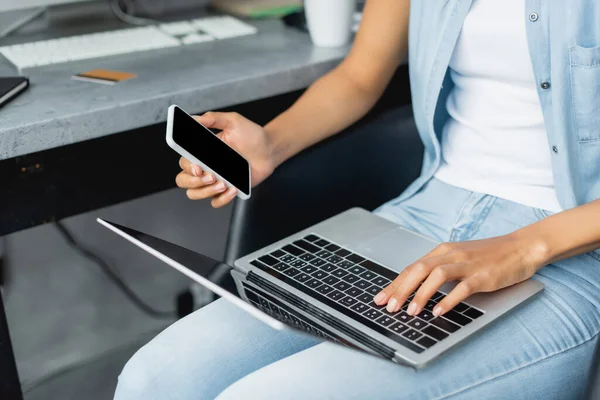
[(80, 143)]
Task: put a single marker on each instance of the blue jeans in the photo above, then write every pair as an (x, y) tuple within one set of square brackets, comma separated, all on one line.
[(542, 349)]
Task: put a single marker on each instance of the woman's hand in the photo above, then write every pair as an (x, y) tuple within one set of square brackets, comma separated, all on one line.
[(480, 266), (247, 138)]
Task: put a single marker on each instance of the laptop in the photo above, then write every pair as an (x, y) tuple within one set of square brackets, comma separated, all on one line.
[(321, 282)]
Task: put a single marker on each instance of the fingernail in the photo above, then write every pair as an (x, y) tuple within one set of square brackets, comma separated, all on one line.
[(208, 178), (411, 308), (392, 305), (437, 311), (220, 186), (196, 170), (380, 298)]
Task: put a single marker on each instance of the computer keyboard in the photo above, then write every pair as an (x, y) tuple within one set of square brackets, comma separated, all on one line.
[(124, 41), (347, 282)]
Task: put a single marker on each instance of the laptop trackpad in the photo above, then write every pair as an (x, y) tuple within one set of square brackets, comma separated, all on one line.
[(397, 249)]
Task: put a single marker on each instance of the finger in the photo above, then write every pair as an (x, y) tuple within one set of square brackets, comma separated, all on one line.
[(463, 290), (186, 181), (225, 198), (438, 276), (190, 168), (404, 285), (217, 120), (408, 281), (207, 191)]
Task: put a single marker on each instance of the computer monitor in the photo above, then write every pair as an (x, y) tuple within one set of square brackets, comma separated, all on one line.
[(7, 5)]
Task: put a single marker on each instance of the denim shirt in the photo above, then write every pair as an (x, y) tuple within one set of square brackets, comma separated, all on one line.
[(564, 45)]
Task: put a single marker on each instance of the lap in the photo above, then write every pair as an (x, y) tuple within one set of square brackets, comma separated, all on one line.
[(203, 353)]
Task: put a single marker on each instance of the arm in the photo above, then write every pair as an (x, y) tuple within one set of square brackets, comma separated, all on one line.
[(346, 94), (491, 264), (331, 104)]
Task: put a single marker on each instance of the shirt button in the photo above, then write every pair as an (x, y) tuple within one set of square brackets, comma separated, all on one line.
[(533, 17), (545, 85), (555, 149)]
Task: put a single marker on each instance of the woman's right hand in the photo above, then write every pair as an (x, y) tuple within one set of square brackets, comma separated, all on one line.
[(247, 138)]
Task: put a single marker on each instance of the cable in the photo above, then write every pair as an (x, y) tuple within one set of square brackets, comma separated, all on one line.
[(112, 275), (124, 15)]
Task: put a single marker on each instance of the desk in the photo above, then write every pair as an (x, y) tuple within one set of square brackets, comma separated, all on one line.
[(57, 111)]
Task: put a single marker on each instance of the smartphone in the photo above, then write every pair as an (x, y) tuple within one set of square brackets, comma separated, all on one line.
[(199, 145)]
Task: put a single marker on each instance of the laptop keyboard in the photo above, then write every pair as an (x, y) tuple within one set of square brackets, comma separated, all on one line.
[(347, 282)]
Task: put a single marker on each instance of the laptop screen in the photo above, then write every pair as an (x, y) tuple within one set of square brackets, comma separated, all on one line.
[(260, 302)]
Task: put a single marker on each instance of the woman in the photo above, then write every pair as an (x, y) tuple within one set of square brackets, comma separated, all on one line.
[(506, 97)]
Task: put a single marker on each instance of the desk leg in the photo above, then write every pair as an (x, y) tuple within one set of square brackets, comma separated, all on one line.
[(10, 386)]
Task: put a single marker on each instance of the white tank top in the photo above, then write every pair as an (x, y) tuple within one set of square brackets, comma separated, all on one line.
[(495, 141)]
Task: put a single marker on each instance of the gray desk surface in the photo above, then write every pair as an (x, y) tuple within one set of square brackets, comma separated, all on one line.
[(57, 110)]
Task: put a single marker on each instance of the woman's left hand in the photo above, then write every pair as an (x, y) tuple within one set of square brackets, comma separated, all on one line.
[(480, 266)]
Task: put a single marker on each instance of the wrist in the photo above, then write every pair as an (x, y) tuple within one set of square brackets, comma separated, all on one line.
[(535, 247), (278, 149)]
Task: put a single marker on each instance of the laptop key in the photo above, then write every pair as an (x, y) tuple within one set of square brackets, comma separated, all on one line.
[(340, 273), (355, 258), (309, 269), (381, 281), (363, 284), (385, 321), (317, 262), (309, 247), (311, 238), (444, 324), (280, 267), (359, 308), (328, 267), (331, 280), (425, 315), (435, 333), (351, 278), (332, 247), (357, 270), (473, 313), (298, 263), (322, 243), (368, 275), (334, 259), (460, 307), (437, 296), (345, 264), (323, 254), (398, 327), (457, 318), (307, 257), (430, 305), (365, 298), (324, 289), (426, 342), (417, 324), (412, 334), (354, 292), (320, 275), (292, 250), (335, 295), (348, 301), (343, 253), (291, 272), (302, 277), (313, 283), (403, 317), (288, 258), (374, 290), (269, 260), (277, 254), (372, 314), (343, 286)]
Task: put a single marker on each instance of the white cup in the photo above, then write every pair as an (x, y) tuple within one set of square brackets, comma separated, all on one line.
[(330, 21)]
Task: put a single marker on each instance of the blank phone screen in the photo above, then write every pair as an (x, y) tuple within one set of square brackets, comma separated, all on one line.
[(212, 151)]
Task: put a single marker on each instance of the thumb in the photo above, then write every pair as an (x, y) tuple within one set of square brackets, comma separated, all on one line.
[(215, 120)]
